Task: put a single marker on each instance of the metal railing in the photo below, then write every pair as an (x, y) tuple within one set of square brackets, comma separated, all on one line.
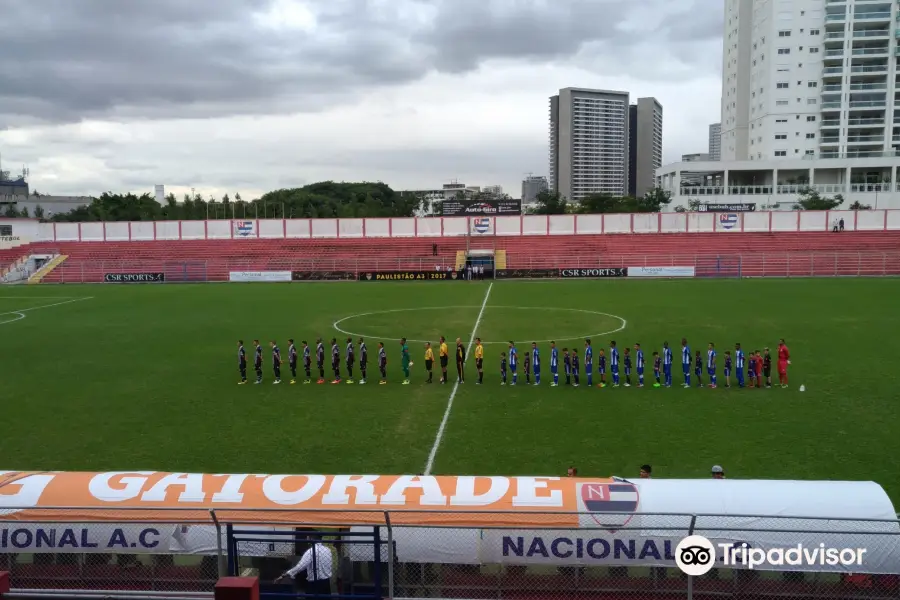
[(608, 556)]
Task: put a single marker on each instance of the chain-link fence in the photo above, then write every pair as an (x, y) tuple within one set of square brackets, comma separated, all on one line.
[(391, 555)]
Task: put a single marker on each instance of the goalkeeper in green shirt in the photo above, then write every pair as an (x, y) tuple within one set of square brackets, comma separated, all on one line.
[(404, 360)]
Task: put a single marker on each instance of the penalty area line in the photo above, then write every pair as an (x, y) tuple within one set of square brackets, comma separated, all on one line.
[(25, 310), (443, 426)]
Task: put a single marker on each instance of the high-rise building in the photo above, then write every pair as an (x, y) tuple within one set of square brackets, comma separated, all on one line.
[(644, 145), (803, 78), (588, 142), (533, 185), (808, 103), (715, 142)]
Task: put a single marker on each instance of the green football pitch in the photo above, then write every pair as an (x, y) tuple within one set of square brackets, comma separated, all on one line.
[(144, 377)]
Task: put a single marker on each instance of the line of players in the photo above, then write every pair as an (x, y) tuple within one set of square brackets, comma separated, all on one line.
[(757, 364), (294, 357)]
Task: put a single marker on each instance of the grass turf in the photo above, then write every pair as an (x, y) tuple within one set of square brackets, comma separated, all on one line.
[(144, 377)]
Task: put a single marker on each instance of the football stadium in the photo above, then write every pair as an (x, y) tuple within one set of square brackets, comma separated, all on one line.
[(134, 346)]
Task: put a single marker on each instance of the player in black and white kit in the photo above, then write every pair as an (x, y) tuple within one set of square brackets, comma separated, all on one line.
[(320, 360), (306, 361), (292, 360), (335, 361), (363, 360), (242, 362), (382, 363), (257, 361), (350, 360)]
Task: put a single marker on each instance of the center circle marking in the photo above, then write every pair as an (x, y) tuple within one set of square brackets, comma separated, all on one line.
[(337, 323)]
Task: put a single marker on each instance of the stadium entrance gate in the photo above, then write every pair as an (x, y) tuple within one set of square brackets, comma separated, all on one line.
[(359, 566)]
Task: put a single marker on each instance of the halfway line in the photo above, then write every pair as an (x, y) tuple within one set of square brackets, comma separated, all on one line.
[(440, 431)]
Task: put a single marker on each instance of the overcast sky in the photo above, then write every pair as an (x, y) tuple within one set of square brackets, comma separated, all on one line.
[(252, 95)]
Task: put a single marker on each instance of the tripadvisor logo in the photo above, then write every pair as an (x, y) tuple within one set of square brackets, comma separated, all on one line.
[(695, 555)]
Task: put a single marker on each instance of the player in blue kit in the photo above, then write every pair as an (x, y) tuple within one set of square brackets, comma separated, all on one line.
[(614, 363), (589, 362), (656, 362), (627, 367), (667, 363), (601, 369), (575, 367), (567, 361), (727, 369), (686, 362), (639, 360), (536, 363), (739, 364), (711, 364), (513, 362), (698, 368), (554, 364)]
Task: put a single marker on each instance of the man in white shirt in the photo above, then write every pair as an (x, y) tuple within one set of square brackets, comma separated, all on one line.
[(317, 562)]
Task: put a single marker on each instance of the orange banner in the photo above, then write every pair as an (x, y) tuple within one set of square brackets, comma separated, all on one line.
[(148, 496)]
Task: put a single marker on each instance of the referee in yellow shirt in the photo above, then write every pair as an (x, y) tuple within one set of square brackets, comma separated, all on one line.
[(479, 360), (429, 360), (445, 357)]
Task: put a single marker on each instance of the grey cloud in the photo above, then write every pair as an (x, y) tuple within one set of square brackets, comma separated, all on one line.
[(65, 60)]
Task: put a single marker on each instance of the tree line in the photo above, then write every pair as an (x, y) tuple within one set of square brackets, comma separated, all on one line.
[(552, 203), (329, 199), (326, 199)]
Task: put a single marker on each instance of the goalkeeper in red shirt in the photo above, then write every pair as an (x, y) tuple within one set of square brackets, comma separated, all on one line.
[(784, 359)]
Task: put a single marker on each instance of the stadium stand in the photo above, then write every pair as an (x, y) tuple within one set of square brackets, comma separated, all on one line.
[(760, 254)]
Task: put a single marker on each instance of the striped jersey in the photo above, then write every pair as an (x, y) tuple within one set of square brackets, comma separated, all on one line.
[(363, 354), (292, 354), (513, 357), (554, 358), (535, 358), (711, 359), (242, 355), (739, 358), (588, 355), (614, 357), (306, 357), (640, 359), (667, 356), (349, 352), (686, 355)]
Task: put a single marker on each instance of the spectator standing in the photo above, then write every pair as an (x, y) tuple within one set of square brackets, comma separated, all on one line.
[(646, 470), (718, 472), (841, 224), (318, 563)]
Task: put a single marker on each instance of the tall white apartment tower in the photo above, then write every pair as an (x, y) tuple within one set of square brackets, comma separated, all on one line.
[(808, 78), (588, 142)]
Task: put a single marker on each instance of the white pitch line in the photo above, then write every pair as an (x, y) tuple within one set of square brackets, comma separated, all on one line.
[(16, 297), (440, 431), (24, 310)]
